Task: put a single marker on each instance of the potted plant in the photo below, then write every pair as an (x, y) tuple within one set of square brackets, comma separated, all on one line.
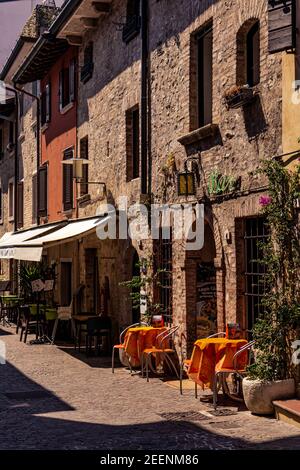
[(273, 374), (141, 290), (238, 95)]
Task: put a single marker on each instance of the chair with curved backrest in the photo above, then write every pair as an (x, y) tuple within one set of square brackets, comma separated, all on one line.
[(185, 363), (162, 349), (235, 369), (121, 345)]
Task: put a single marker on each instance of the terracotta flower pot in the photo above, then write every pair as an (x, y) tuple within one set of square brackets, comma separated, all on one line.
[(259, 395)]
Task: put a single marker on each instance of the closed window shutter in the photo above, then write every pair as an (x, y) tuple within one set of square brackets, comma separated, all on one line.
[(34, 199), (0, 203), (84, 153), (72, 80), (20, 207), (43, 191), (68, 182), (60, 90), (282, 25), (48, 102)]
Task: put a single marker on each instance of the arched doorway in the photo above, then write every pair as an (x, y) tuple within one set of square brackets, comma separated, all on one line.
[(135, 270)]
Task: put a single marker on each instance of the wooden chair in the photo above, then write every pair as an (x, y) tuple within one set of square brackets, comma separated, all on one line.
[(25, 323), (163, 349), (121, 345), (97, 328)]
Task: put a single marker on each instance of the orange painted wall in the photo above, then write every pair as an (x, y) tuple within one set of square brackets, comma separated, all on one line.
[(59, 135)]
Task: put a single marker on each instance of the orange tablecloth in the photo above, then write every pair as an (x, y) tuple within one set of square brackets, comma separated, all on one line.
[(212, 354), (139, 338)]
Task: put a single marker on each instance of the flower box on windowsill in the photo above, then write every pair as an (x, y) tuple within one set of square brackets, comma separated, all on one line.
[(238, 97), (199, 134)]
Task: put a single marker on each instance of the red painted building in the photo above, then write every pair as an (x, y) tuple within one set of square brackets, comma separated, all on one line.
[(58, 137)]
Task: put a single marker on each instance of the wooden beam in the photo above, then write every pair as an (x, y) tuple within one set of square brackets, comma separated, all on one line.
[(101, 7), (74, 40), (89, 23)]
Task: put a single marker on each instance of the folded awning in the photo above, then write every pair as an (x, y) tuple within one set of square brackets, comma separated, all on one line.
[(31, 249), (11, 242)]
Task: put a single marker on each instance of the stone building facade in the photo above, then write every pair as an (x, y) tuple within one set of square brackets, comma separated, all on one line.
[(201, 55), (232, 146), (41, 17)]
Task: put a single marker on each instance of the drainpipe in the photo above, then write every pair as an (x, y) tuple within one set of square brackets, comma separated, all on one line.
[(38, 108), (144, 97)]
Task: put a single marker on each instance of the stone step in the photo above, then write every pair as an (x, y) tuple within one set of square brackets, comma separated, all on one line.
[(288, 411)]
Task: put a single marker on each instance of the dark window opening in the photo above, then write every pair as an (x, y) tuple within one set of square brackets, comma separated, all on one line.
[(43, 191), (248, 54), (68, 181), (67, 83), (88, 64), (46, 105), (133, 22), (66, 283), (256, 233), (84, 153), (34, 199), (204, 74), (20, 204), (253, 55), (11, 196), (133, 143)]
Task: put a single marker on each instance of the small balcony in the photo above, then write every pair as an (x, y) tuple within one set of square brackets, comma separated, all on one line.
[(86, 72), (131, 28)]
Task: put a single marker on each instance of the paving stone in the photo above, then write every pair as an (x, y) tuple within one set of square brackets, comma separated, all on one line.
[(88, 407)]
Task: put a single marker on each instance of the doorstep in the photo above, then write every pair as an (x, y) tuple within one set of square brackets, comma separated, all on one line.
[(288, 411)]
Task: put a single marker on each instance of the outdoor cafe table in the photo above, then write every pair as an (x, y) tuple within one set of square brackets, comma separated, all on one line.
[(213, 354), (139, 338), (49, 312)]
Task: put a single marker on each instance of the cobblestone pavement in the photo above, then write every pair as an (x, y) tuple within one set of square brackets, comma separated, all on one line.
[(79, 404)]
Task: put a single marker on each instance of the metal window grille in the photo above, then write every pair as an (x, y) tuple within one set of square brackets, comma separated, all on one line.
[(165, 276), (256, 232)]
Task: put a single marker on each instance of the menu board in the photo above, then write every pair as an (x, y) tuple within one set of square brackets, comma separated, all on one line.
[(206, 300)]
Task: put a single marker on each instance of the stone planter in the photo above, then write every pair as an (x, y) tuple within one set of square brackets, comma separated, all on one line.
[(259, 395)]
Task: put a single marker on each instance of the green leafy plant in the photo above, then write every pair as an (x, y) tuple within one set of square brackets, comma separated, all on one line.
[(278, 326), (31, 272), (141, 289)]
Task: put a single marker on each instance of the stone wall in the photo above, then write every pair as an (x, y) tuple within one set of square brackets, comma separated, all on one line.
[(244, 136)]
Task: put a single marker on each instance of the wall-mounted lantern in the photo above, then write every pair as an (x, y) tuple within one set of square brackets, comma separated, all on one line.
[(186, 180)]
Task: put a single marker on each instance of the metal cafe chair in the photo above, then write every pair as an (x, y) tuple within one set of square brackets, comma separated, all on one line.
[(163, 349), (26, 324), (240, 372), (185, 363), (121, 345)]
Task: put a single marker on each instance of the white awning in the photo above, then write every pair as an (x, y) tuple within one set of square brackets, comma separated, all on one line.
[(31, 249), (11, 241)]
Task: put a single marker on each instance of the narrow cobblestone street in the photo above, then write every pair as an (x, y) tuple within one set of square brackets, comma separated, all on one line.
[(53, 398)]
